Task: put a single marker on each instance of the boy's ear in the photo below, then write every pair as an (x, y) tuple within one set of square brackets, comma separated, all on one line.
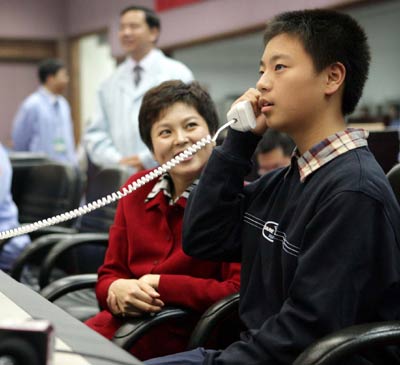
[(335, 75)]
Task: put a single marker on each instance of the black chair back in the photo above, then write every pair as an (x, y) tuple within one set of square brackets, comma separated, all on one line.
[(394, 179), (107, 181), (385, 147), (44, 190)]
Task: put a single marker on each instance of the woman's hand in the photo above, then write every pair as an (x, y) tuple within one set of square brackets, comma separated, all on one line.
[(151, 279), (131, 297), (253, 95)]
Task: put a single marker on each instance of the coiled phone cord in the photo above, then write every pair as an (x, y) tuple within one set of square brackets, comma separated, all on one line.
[(101, 202)]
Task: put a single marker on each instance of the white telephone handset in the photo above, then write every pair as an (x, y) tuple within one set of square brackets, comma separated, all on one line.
[(244, 116), (241, 117)]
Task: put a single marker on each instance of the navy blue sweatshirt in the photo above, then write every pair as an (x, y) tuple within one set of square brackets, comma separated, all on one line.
[(317, 255)]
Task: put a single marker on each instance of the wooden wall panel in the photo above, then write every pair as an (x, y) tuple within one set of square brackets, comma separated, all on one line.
[(26, 50)]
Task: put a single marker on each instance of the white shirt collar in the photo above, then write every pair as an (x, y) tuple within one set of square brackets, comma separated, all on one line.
[(145, 62), (53, 97)]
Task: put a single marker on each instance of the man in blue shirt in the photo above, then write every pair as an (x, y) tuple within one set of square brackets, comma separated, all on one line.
[(43, 122), (8, 215)]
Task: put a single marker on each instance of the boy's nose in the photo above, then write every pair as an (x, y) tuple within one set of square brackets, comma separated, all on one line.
[(263, 83)]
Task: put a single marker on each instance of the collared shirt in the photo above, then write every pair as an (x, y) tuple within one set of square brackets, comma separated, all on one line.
[(43, 124), (53, 97), (330, 148), (164, 185), (8, 215), (146, 63)]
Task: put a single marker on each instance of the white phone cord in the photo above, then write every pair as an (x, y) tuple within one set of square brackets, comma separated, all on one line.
[(99, 203)]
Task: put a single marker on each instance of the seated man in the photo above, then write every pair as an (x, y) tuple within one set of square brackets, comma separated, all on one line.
[(273, 151), (8, 216), (145, 267)]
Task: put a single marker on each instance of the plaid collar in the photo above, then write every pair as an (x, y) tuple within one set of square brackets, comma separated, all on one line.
[(330, 148), (164, 184)]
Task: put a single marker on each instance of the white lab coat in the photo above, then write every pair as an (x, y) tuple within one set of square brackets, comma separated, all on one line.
[(113, 132)]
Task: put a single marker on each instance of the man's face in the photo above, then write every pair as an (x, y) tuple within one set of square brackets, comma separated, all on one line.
[(59, 81), (291, 90), (271, 160), (136, 37)]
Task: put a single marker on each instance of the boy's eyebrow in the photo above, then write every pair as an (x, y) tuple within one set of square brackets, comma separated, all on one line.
[(276, 57)]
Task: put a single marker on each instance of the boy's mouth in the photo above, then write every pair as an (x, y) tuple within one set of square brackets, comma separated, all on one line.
[(265, 106)]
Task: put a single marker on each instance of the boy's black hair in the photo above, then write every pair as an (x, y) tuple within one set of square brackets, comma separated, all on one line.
[(158, 99), (328, 37), (152, 19), (48, 67)]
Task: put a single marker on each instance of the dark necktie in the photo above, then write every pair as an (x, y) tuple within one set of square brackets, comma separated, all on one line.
[(137, 70)]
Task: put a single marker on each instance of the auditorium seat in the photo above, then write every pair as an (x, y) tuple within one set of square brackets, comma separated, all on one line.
[(218, 327), (385, 147), (75, 294), (81, 255), (339, 346), (394, 179), (107, 181), (43, 189)]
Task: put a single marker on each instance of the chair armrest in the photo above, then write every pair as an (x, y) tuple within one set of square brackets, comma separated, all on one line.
[(332, 348), (67, 285), (134, 328), (211, 318), (38, 246), (50, 230), (65, 245)]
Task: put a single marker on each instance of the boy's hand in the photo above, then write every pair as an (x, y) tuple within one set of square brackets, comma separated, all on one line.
[(253, 95)]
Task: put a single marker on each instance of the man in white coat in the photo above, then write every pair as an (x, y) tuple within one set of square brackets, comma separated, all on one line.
[(112, 136)]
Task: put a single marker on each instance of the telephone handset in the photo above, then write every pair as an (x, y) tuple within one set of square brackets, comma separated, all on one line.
[(241, 117), (243, 113)]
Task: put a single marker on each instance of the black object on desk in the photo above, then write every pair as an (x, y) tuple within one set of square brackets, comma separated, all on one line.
[(81, 339)]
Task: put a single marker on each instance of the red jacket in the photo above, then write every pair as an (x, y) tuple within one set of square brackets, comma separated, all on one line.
[(146, 237)]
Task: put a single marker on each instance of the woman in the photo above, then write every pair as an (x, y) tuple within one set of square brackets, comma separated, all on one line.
[(145, 267)]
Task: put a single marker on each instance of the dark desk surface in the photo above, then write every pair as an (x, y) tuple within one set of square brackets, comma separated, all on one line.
[(71, 331)]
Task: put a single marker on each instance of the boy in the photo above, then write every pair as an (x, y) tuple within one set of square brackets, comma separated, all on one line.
[(318, 240)]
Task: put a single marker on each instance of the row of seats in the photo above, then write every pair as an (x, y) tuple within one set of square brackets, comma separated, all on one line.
[(44, 188), (54, 257)]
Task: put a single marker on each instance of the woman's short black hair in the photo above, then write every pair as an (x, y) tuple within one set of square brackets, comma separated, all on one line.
[(160, 98)]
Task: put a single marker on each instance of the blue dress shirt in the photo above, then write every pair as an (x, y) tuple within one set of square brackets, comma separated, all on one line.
[(8, 215), (43, 124)]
